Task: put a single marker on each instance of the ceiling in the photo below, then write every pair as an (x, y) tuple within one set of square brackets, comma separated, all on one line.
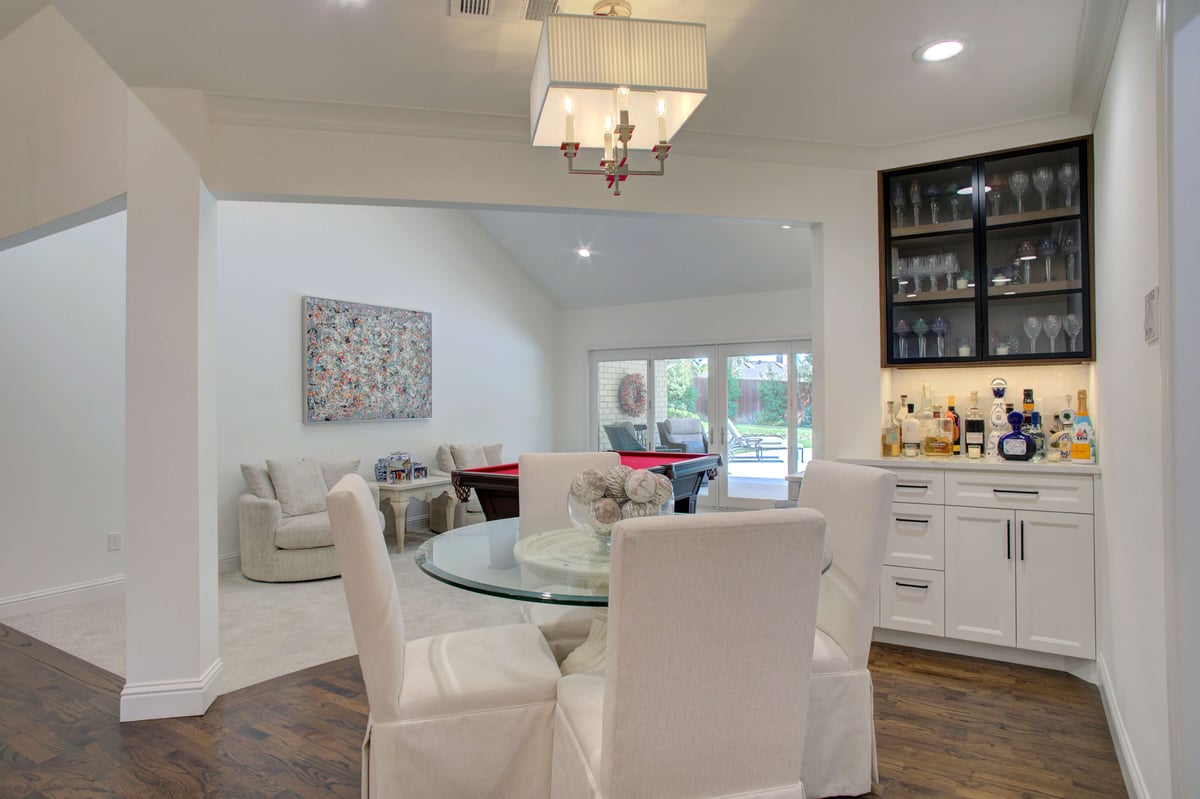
[(791, 71)]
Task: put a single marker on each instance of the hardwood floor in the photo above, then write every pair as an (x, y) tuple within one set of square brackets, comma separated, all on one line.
[(946, 726)]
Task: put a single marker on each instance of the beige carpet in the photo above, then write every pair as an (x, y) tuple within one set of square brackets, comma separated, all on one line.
[(269, 629)]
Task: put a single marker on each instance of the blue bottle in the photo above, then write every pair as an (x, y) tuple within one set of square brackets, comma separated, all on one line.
[(1015, 445)]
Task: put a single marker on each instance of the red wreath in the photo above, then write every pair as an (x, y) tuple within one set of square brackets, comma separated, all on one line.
[(633, 395)]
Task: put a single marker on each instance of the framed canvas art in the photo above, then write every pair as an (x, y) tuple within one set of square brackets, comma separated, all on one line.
[(366, 362)]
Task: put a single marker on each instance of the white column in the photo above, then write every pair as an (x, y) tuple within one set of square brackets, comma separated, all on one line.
[(172, 663)]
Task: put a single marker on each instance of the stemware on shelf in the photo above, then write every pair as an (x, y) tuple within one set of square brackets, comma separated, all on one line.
[(1032, 327), (914, 196), (1013, 342), (996, 185), (1018, 182), (964, 347), (899, 201), (1072, 324), (920, 327), (1047, 248), (1068, 179), (934, 194), (1053, 325), (1070, 246), (1025, 254), (956, 201), (901, 329), (1043, 181), (940, 328), (900, 272)]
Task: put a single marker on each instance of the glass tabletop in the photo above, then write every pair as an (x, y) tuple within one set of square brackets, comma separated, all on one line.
[(559, 567)]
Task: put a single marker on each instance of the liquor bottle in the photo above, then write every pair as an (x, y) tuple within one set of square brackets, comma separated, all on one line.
[(974, 431), (955, 423), (902, 411), (1015, 445), (1027, 405), (1060, 441), (939, 438), (1038, 435), (1083, 434), (925, 414), (890, 441), (997, 417), (910, 434)]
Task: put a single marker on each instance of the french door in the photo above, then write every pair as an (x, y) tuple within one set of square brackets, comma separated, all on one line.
[(752, 402)]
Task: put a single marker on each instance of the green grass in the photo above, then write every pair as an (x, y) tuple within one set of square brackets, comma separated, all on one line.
[(804, 434)]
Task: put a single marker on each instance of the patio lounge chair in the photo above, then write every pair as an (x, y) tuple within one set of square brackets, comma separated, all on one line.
[(759, 444), (623, 437)]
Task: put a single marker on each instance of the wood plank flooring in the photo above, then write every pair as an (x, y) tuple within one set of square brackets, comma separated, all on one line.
[(946, 726)]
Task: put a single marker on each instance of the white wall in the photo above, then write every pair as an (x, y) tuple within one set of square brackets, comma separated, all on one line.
[(62, 141), (62, 410), (1131, 604), (494, 334)]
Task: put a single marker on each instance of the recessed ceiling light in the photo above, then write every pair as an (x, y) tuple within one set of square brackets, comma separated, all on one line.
[(939, 50), (584, 252)]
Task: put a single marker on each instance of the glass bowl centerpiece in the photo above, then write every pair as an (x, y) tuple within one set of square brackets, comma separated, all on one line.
[(598, 500)]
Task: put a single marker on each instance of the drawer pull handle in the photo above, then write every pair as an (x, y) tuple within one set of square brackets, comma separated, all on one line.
[(912, 521), (1013, 491), (912, 585), (915, 487)]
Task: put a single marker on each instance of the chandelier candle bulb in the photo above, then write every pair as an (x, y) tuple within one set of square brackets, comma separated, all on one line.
[(570, 109), (661, 108)]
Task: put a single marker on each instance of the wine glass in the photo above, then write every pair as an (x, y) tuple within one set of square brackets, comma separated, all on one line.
[(900, 273), (1043, 181), (996, 184), (920, 327), (934, 194), (1068, 179), (1053, 325), (956, 201), (1025, 254), (914, 196), (898, 202), (940, 328), (1013, 343), (901, 329), (1018, 183), (1070, 246), (1047, 248), (1033, 327), (1072, 324)]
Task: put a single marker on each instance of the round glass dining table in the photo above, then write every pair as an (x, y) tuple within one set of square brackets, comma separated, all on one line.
[(558, 567)]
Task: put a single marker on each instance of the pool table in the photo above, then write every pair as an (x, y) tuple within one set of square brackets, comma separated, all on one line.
[(498, 492)]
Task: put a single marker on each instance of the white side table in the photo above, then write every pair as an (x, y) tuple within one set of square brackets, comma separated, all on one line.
[(400, 494)]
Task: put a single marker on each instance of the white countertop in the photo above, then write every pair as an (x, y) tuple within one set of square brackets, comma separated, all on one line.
[(961, 462)]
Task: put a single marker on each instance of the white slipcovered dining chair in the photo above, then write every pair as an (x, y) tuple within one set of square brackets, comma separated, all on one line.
[(704, 691), (857, 503), (545, 480), (467, 714)]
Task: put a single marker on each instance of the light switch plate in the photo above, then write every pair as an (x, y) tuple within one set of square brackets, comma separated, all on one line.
[(1151, 323)]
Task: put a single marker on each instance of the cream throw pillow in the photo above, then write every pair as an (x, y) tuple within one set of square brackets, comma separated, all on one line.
[(444, 460), (494, 454), (299, 485), (332, 472), (468, 456), (258, 482)]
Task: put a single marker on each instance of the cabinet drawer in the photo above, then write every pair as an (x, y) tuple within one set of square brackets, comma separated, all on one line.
[(912, 600), (920, 485), (1071, 493), (917, 537)]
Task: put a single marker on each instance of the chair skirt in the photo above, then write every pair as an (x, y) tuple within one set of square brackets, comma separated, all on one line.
[(839, 750), (563, 627)]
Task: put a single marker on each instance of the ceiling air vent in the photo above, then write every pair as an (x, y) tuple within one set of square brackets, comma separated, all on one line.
[(533, 10)]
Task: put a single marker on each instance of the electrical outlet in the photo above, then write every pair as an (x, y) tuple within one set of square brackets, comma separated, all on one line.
[(114, 542)]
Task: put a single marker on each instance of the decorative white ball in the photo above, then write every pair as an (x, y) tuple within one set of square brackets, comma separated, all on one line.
[(615, 482), (640, 485), (588, 485), (664, 491), (603, 514), (636, 510)]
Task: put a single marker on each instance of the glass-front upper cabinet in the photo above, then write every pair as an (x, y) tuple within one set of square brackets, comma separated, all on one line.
[(988, 258)]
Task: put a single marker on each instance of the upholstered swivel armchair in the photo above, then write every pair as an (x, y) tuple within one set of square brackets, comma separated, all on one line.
[(465, 714), (704, 694), (685, 434)]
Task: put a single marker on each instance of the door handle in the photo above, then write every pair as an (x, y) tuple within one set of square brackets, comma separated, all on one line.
[(1009, 538), (1022, 539)]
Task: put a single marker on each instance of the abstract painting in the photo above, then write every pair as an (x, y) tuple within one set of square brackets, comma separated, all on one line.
[(366, 362)]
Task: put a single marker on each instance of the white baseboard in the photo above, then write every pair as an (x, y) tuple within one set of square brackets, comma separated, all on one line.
[(50, 598), (1135, 783), (229, 563), (168, 699), (1083, 669)]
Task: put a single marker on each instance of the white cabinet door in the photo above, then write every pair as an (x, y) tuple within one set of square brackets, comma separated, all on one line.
[(1056, 605), (980, 575)]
